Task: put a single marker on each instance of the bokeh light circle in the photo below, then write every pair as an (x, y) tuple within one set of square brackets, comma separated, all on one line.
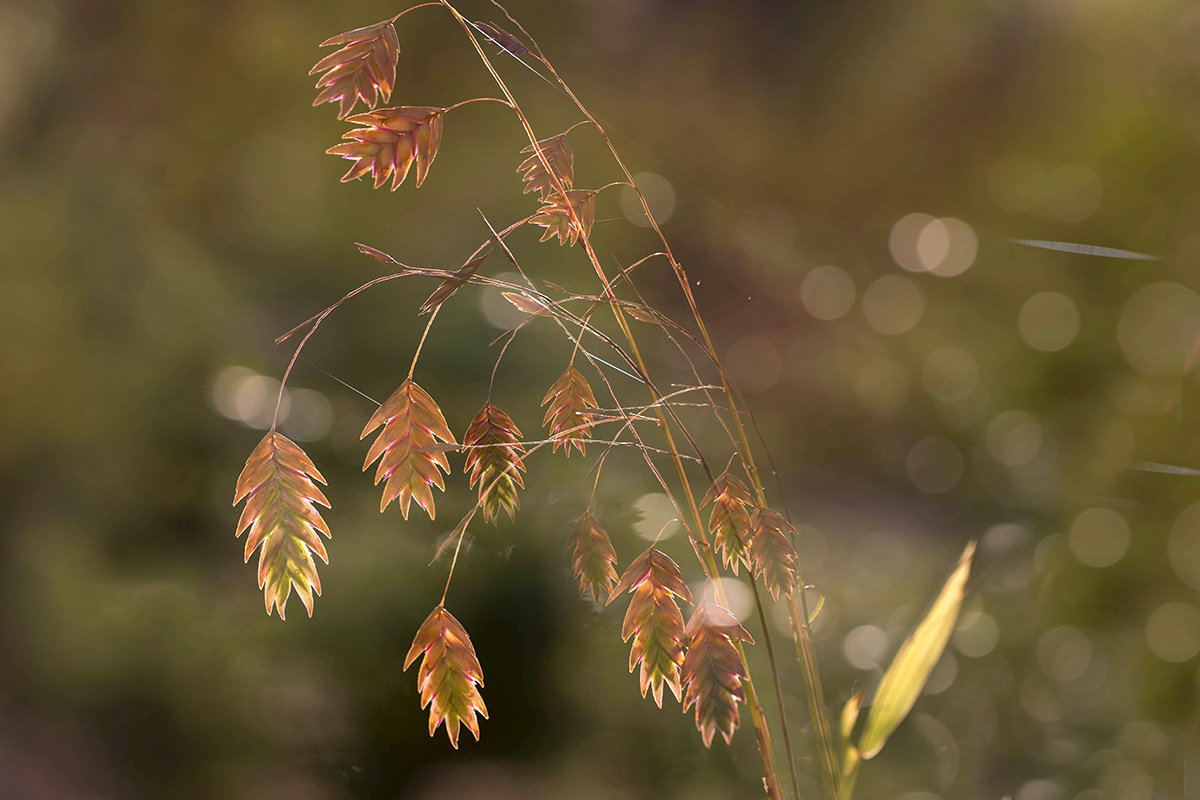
[(1099, 537), (1159, 327), (1173, 632), (1183, 545), (827, 292), (1048, 321), (934, 465), (893, 305)]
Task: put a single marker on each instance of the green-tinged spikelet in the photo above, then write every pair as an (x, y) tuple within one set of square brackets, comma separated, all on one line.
[(277, 485), (771, 551), (729, 521), (569, 416), (494, 450), (449, 675), (593, 559), (363, 68), (407, 448), (713, 671), (654, 620)]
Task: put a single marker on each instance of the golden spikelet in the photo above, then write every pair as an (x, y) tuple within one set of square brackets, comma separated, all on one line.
[(449, 675), (593, 559), (494, 451), (364, 68), (729, 521), (771, 551), (556, 218), (561, 159), (713, 671), (654, 620), (277, 485), (568, 417), (392, 139), (407, 448)]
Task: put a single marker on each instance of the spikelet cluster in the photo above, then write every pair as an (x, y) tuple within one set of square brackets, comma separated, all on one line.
[(277, 485), (771, 551), (713, 671), (593, 559), (654, 620), (390, 142), (561, 158), (569, 416), (729, 521), (449, 676), (555, 216), (494, 451), (407, 448), (363, 68)]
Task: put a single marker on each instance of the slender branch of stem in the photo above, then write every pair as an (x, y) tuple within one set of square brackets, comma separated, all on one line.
[(413, 8), (462, 103)]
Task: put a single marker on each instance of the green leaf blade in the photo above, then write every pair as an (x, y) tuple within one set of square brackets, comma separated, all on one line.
[(906, 677)]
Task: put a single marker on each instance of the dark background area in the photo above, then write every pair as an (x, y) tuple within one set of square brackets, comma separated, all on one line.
[(166, 211)]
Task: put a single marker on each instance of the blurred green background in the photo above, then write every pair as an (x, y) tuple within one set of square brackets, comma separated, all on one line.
[(844, 182)]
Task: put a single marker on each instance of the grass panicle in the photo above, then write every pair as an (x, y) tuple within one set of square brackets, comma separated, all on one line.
[(654, 621), (713, 672), (449, 676), (570, 411), (494, 449), (278, 486), (703, 663), (593, 559), (363, 68), (390, 141), (729, 521), (407, 450)]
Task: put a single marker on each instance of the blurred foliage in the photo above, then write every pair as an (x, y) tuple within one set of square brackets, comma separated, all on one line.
[(166, 210)]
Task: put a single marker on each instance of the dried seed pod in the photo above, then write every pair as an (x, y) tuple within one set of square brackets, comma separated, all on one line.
[(555, 217), (729, 521), (364, 68), (569, 417), (449, 675), (407, 448), (593, 559), (494, 451), (713, 671), (771, 551), (392, 140), (561, 158), (654, 620), (277, 485)]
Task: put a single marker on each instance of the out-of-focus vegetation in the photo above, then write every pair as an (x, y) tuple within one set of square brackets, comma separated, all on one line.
[(843, 181)]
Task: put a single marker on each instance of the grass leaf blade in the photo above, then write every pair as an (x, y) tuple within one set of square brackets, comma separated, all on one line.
[(906, 677)]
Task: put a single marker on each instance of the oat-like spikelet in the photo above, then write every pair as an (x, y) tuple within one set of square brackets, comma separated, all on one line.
[(771, 551), (449, 675), (729, 521), (654, 620), (494, 452), (277, 485), (594, 558), (407, 448), (713, 672), (363, 68), (561, 159), (392, 139), (556, 219), (569, 416)]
